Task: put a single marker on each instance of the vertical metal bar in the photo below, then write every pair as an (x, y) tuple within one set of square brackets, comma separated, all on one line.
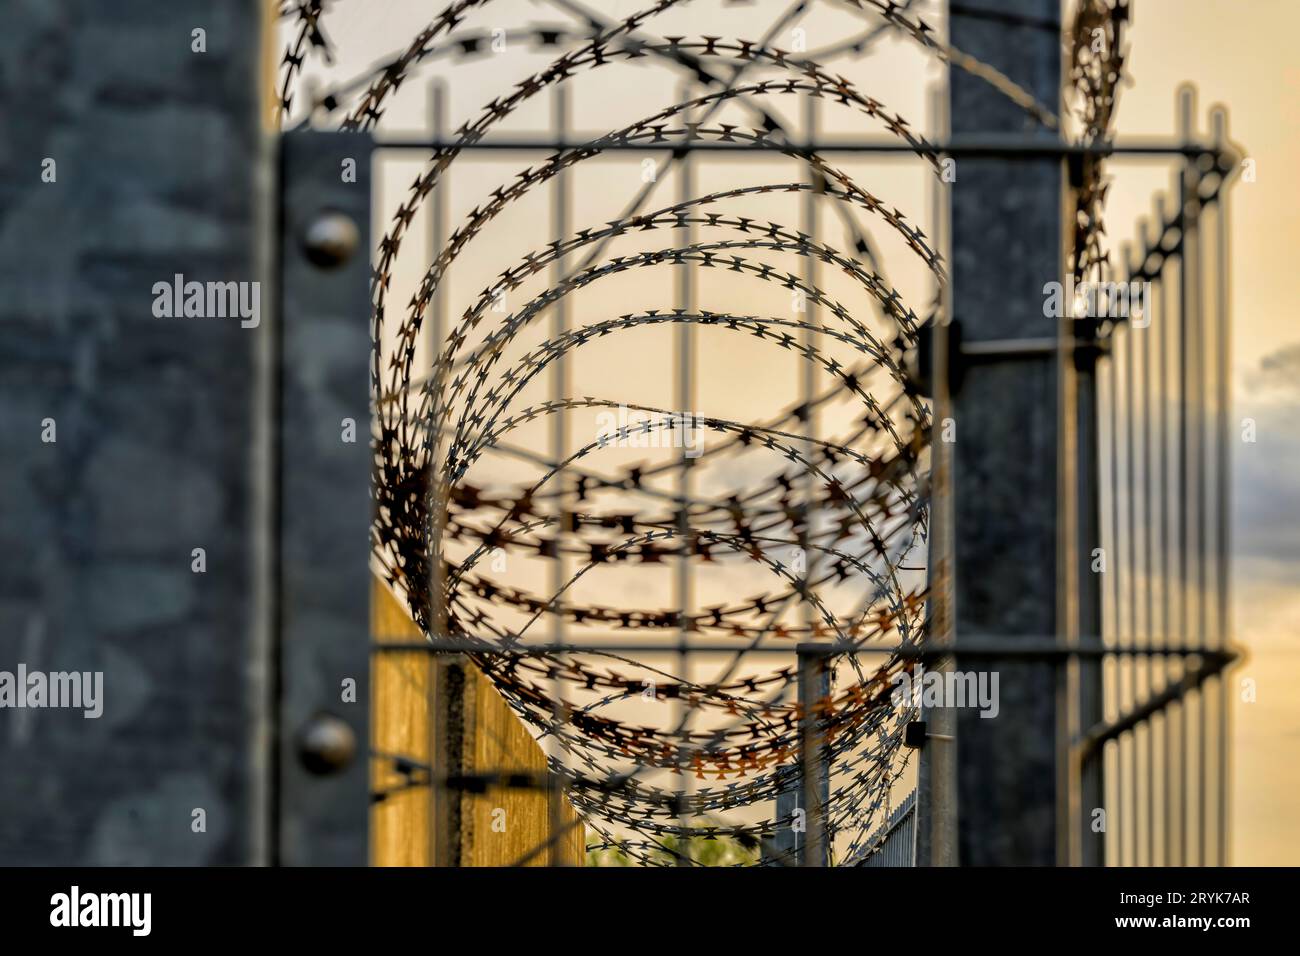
[(816, 846), (1088, 670), (1115, 706), (785, 846), (438, 217), (1200, 498), (1131, 495), (936, 801), (324, 509), (808, 383), (1182, 524), (448, 726), (1131, 591), (1162, 315), (1194, 347), (684, 332), (1223, 323), (437, 335), (1148, 560), (814, 776), (447, 684), (560, 195)]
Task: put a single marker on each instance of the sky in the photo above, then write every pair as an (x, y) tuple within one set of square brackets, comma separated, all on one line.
[(1236, 52)]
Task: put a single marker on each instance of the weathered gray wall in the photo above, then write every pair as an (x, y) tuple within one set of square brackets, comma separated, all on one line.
[(1007, 242), (157, 152)]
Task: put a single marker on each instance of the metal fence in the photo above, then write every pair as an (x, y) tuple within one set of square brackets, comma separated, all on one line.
[(1141, 690), (1163, 442), (895, 844), (726, 695), (805, 766), (804, 706)]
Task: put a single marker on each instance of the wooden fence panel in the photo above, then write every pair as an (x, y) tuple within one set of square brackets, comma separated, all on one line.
[(413, 715)]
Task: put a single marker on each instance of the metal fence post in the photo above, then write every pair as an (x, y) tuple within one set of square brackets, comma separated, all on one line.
[(322, 458), (1087, 772), (814, 774), (810, 778), (935, 804), (1007, 239)]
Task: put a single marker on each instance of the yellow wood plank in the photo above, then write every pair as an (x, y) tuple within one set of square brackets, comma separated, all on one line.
[(507, 824), (400, 825), (498, 828)]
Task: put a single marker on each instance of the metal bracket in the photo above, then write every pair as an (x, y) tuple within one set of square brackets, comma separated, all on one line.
[(915, 735), (1085, 346)]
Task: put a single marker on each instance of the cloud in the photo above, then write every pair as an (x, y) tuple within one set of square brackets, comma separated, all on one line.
[(1278, 373), (1266, 496)]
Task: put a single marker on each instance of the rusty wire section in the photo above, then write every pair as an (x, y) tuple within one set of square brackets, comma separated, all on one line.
[(853, 506), (1097, 51)]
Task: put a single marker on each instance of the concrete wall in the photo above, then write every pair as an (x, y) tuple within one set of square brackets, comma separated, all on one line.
[(157, 162)]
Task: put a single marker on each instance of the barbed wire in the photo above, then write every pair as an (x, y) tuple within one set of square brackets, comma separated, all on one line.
[(855, 506), (1097, 54)]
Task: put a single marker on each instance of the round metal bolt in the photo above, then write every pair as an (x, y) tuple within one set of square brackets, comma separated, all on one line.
[(326, 744), (331, 239)]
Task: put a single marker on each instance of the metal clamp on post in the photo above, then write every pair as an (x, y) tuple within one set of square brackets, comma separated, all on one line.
[(915, 735), (1086, 347)]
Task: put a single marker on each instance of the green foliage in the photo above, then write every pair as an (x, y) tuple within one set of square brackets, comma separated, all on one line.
[(722, 851)]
